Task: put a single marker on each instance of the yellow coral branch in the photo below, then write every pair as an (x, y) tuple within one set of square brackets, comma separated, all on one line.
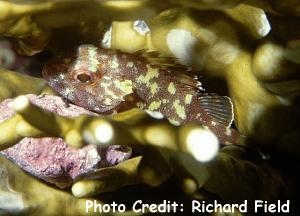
[(132, 128), (108, 179), (13, 84), (16, 129)]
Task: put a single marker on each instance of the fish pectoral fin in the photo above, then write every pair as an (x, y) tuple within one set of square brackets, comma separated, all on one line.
[(220, 108)]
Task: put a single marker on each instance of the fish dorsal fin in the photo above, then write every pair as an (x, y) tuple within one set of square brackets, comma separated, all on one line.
[(169, 63), (187, 80), (220, 108)]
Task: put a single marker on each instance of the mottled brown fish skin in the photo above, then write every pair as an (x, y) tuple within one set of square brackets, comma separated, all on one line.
[(94, 78), (163, 91), (109, 81)]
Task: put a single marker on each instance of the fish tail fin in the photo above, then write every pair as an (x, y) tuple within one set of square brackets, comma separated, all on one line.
[(219, 108)]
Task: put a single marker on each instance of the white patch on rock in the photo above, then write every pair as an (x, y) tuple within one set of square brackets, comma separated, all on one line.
[(265, 27), (141, 27), (202, 144), (155, 114), (104, 132), (106, 41), (181, 43)]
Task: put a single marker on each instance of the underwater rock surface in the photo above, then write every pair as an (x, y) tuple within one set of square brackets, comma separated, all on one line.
[(50, 158)]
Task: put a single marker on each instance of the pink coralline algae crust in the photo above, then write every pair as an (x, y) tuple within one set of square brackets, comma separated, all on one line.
[(113, 155), (50, 158)]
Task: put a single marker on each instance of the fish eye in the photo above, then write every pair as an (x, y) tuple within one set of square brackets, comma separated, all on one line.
[(83, 77)]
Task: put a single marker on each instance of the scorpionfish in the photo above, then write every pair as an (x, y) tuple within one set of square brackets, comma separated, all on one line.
[(109, 81)]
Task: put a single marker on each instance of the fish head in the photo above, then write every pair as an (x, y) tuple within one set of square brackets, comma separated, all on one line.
[(86, 80)]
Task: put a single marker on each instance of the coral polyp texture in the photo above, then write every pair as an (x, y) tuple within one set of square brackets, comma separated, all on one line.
[(143, 92)]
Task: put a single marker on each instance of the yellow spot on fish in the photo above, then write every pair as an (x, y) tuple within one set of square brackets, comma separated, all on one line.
[(129, 64), (151, 73), (140, 105), (213, 123), (154, 88), (114, 63), (67, 92), (77, 64), (90, 101), (92, 59), (188, 99), (125, 86), (174, 122), (105, 84), (154, 105), (228, 132), (112, 94), (108, 101), (180, 111), (171, 88), (165, 101), (61, 76)]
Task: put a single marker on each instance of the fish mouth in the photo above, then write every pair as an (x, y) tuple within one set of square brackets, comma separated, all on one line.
[(79, 97)]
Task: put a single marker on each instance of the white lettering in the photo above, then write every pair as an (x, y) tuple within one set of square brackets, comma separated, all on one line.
[(196, 206), (286, 207), (209, 208), (266, 207), (227, 208), (164, 207), (88, 205), (97, 206), (135, 208), (257, 204), (218, 206), (272, 208), (243, 208), (100, 207), (203, 207)]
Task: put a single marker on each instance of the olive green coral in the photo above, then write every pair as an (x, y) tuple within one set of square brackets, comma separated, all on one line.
[(17, 199), (14, 84), (137, 126), (253, 47), (261, 75), (168, 144)]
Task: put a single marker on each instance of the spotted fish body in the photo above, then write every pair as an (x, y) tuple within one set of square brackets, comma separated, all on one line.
[(110, 81)]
